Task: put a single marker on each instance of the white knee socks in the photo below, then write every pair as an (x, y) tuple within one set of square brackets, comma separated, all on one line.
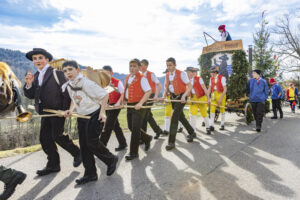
[(212, 119), (222, 119), (167, 124)]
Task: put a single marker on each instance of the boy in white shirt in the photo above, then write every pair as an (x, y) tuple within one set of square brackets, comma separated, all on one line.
[(89, 99)]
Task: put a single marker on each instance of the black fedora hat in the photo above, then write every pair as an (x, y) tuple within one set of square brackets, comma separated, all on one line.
[(38, 51)]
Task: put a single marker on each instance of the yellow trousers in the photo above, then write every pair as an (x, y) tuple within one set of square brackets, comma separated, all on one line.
[(168, 109), (215, 96), (194, 107)]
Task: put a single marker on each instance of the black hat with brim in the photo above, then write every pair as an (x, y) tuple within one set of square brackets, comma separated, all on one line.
[(36, 51), (191, 69)]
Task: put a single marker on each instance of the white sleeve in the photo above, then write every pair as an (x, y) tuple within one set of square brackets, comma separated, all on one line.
[(184, 78), (209, 82), (223, 81), (121, 87), (154, 78), (201, 81), (145, 84), (94, 91)]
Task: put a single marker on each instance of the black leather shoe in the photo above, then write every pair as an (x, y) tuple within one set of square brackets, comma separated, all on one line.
[(158, 134), (77, 160), (48, 170), (208, 131), (9, 188), (189, 138), (203, 124), (273, 117), (86, 179), (258, 128), (170, 146), (166, 132), (212, 128), (180, 130), (121, 147), (112, 168), (147, 144), (131, 156), (222, 128)]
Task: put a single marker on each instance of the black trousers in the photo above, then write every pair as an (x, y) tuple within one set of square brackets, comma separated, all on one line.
[(134, 121), (276, 105), (52, 132), (177, 116), (258, 112), (90, 145), (149, 119), (112, 124)]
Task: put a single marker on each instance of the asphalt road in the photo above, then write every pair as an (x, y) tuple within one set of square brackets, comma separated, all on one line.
[(237, 163)]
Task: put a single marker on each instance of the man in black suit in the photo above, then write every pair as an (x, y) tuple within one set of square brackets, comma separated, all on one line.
[(45, 88)]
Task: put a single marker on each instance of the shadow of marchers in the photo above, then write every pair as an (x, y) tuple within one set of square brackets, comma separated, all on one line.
[(60, 187)]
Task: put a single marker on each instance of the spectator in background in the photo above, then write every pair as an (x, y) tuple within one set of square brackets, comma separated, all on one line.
[(258, 91), (292, 94), (276, 94)]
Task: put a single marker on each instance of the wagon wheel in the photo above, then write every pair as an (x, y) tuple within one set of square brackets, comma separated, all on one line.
[(248, 114), (217, 114)]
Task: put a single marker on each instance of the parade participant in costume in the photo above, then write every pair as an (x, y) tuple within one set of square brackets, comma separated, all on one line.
[(258, 91), (89, 99), (137, 91), (292, 94), (178, 85), (217, 90), (11, 178), (45, 88), (196, 74), (112, 122), (225, 36), (156, 88), (198, 93), (276, 94)]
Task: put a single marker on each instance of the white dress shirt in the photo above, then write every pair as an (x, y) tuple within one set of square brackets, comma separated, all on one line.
[(87, 100), (42, 74), (183, 77), (120, 87), (192, 82), (144, 83)]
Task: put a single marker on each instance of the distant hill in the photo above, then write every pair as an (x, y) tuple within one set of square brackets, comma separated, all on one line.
[(20, 64)]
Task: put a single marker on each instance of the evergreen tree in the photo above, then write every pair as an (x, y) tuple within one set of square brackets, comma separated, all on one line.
[(262, 56)]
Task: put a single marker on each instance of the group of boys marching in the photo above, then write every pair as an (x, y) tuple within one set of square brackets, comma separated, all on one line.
[(69, 90)]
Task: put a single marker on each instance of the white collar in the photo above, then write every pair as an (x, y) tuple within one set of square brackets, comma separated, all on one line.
[(44, 69)]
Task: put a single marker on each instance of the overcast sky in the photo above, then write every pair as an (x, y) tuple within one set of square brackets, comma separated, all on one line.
[(111, 32)]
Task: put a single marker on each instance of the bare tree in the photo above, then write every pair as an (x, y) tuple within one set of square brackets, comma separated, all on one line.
[(287, 43)]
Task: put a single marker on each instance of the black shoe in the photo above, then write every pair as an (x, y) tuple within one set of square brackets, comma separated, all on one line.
[(180, 130), (86, 179), (222, 128), (208, 131), (147, 144), (203, 124), (212, 128), (48, 170), (131, 156), (121, 147), (190, 138), (170, 146), (77, 160), (258, 128), (166, 132), (273, 117), (9, 188), (112, 168), (158, 134), (281, 116)]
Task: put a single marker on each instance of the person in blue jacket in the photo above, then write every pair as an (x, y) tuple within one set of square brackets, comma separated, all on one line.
[(276, 95), (258, 91)]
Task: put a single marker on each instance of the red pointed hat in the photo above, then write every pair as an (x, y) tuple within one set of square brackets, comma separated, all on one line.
[(272, 80)]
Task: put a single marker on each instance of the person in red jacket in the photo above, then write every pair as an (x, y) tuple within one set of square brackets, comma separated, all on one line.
[(137, 91), (112, 122)]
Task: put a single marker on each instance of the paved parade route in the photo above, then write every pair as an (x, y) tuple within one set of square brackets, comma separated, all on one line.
[(234, 164)]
